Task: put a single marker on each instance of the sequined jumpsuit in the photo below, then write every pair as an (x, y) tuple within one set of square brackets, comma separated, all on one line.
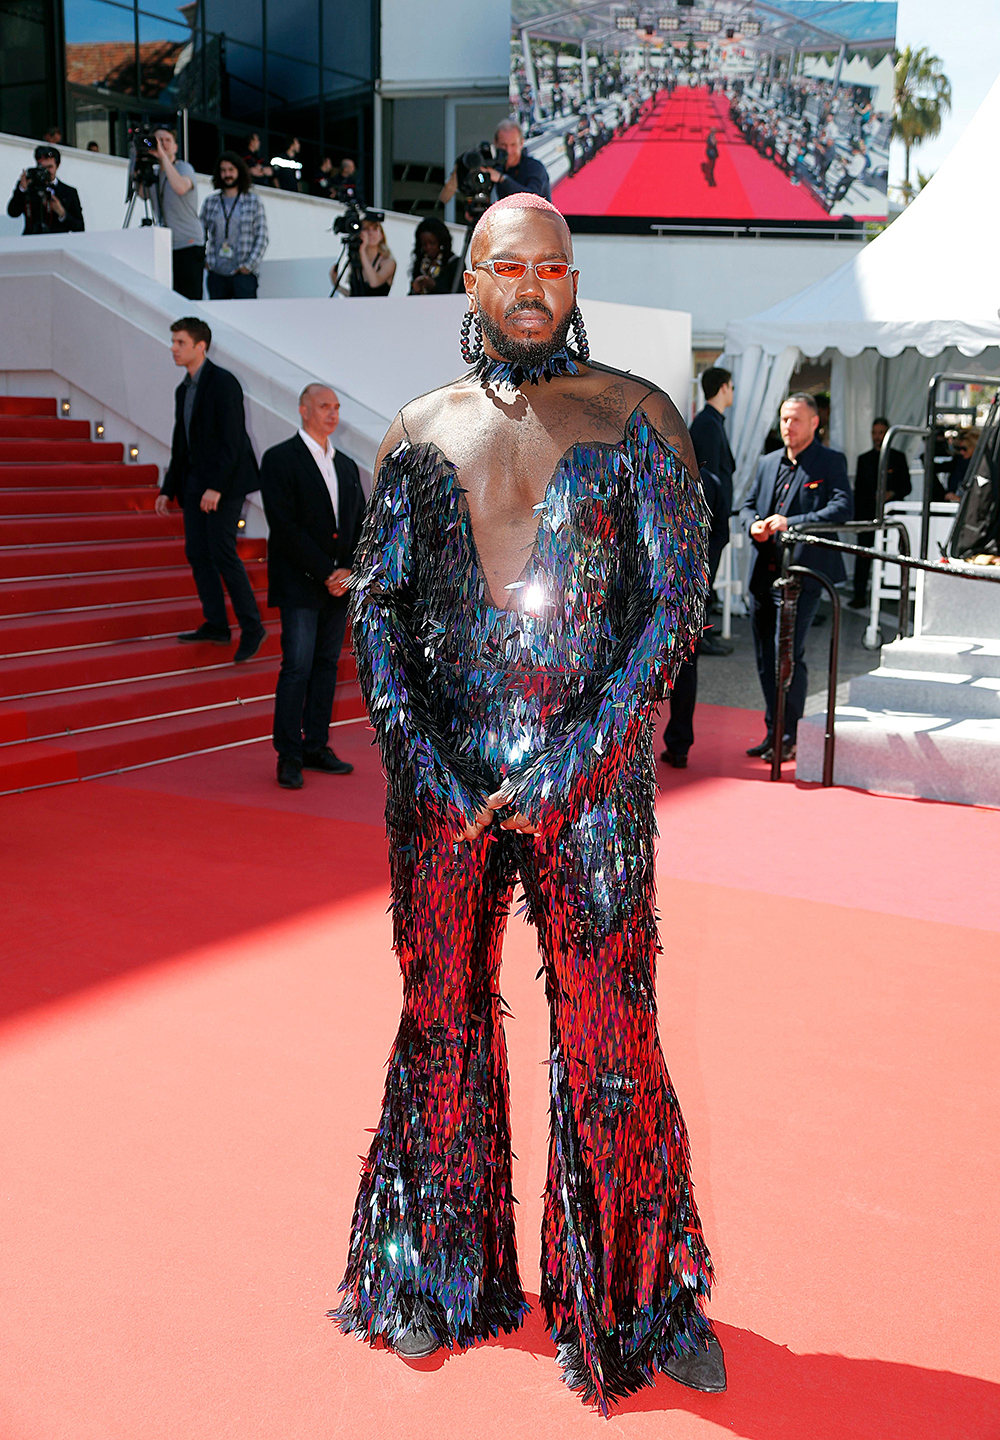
[(556, 694)]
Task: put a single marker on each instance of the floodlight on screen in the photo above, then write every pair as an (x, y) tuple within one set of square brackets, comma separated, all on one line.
[(773, 130)]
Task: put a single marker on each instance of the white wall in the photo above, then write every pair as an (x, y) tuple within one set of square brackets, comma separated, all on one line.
[(146, 251), (454, 45)]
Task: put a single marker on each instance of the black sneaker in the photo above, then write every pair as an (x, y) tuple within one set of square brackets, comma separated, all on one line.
[(416, 1343), (250, 645), (787, 752), (205, 634), (290, 774), (326, 761), (703, 1370)]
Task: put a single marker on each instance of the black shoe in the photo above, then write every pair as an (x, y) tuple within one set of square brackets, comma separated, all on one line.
[(756, 751), (787, 752), (675, 759), (205, 634), (326, 761), (250, 645), (290, 774), (711, 646), (703, 1370), (416, 1343)]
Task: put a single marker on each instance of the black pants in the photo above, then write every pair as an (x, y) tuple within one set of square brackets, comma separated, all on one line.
[(231, 287), (189, 271), (764, 627), (210, 547), (678, 737), (311, 642)]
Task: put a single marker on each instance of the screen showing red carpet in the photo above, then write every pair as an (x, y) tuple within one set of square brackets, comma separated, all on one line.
[(779, 113)]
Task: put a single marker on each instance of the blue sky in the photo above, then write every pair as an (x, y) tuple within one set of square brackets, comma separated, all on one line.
[(965, 35)]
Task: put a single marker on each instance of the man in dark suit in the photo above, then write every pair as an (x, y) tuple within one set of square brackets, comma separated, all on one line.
[(314, 506), (212, 470), (716, 466), (56, 210), (803, 483), (865, 495)]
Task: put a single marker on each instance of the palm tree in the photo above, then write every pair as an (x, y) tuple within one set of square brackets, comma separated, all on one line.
[(921, 95)]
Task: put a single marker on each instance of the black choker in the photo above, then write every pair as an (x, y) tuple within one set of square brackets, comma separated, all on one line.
[(511, 372)]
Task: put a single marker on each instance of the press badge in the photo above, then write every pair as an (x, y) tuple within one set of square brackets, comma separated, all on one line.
[(226, 250)]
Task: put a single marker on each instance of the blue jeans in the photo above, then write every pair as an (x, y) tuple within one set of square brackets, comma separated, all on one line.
[(311, 642), (764, 625)]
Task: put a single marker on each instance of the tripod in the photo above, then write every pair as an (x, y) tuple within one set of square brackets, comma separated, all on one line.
[(132, 186), (347, 260)]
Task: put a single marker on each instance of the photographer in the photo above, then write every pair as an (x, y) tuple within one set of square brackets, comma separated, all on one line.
[(346, 185), (521, 172), (174, 199), (372, 264), (49, 207), (433, 269), (235, 232)]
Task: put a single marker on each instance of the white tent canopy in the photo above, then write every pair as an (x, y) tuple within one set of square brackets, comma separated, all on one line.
[(918, 299)]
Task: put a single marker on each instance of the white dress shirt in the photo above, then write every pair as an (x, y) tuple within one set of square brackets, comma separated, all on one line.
[(324, 459)]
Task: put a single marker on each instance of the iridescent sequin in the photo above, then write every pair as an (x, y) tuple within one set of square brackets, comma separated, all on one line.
[(554, 696)]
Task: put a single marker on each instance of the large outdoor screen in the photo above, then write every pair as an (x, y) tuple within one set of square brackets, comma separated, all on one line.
[(720, 110)]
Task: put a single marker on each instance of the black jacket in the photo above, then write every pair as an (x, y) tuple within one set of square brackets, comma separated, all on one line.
[(306, 544), (220, 456), (820, 493), (715, 458), (866, 481), (38, 220)]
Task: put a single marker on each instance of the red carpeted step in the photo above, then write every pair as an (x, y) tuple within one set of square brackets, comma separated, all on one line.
[(42, 500), (61, 476), (53, 452), (44, 762), (153, 552), (25, 675), (28, 405), (32, 427), (21, 634), (84, 529), (53, 716), (127, 587), (34, 560)]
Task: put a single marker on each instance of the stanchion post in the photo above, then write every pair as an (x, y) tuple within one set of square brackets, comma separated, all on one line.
[(786, 590)]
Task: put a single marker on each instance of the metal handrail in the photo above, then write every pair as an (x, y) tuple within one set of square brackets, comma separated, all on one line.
[(882, 484), (785, 638)]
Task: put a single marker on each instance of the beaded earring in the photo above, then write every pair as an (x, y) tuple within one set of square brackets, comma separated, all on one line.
[(580, 342), (472, 338)]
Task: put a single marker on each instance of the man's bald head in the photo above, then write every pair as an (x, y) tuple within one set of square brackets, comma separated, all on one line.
[(515, 216), (319, 408)]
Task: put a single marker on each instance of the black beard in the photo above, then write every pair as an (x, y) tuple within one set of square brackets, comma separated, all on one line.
[(529, 354)]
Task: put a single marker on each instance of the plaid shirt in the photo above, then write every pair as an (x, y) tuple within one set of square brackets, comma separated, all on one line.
[(248, 235)]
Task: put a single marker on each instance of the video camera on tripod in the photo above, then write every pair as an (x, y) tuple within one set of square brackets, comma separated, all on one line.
[(349, 227), (141, 177), (474, 181)]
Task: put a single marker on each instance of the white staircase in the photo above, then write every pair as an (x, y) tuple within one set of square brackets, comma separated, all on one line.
[(925, 723)]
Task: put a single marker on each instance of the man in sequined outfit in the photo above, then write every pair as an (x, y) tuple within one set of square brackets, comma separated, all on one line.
[(531, 575)]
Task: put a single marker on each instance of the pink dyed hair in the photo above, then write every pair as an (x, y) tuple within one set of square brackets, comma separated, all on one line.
[(522, 200)]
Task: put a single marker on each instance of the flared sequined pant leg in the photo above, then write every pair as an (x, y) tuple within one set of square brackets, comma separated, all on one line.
[(433, 1235), (625, 1269)]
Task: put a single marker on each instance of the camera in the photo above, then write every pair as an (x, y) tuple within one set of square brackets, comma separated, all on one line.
[(473, 181), (142, 155), (39, 181), (349, 224)]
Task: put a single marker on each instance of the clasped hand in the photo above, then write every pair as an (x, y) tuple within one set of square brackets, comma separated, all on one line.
[(764, 529), (484, 819)]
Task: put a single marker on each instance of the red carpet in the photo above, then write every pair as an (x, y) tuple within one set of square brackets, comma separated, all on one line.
[(200, 997), (655, 169)]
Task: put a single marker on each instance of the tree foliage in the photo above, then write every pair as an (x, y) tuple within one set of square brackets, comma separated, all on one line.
[(921, 97)]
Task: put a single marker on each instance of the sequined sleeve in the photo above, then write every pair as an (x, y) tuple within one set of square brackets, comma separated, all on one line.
[(423, 773), (665, 576)]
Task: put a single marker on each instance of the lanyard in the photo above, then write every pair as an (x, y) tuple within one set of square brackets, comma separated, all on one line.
[(228, 214)]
